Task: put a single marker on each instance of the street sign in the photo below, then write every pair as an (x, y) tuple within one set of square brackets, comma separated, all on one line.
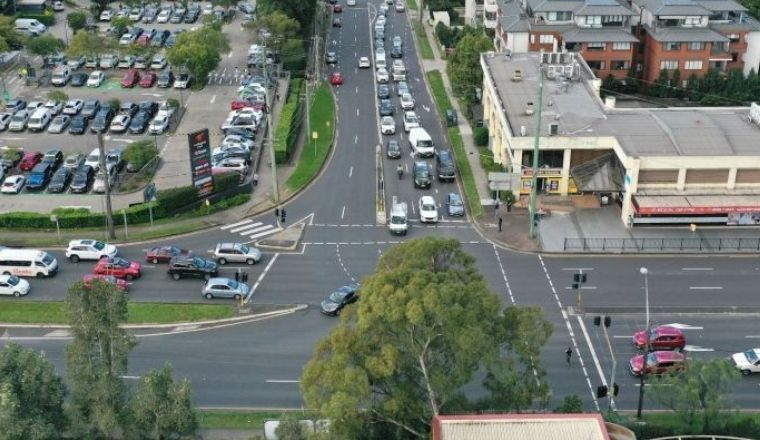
[(499, 177), (149, 192)]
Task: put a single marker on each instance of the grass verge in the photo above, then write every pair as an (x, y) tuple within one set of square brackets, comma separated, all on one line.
[(426, 52), (54, 312), (465, 172), (411, 4), (314, 152), (215, 419)]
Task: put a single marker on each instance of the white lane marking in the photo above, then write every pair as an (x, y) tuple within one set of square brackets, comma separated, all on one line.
[(593, 352), (752, 336), (58, 333), (282, 381), (343, 212), (357, 90), (581, 288), (213, 98), (697, 348), (697, 268), (236, 224), (256, 230), (504, 275), (261, 277), (357, 112), (356, 139), (130, 377), (350, 171), (621, 336), (242, 228), (575, 269), (706, 288), (680, 326)]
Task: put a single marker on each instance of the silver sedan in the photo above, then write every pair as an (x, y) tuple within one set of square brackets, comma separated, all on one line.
[(224, 288)]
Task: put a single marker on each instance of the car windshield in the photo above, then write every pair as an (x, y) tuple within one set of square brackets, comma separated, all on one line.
[(18, 118), (48, 259), (99, 245), (337, 296), (652, 359), (13, 280), (120, 262), (232, 284), (422, 172), (456, 201), (200, 262), (428, 207), (751, 356)]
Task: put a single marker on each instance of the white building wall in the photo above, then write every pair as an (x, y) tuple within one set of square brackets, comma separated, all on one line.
[(752, 56), (517, 42)]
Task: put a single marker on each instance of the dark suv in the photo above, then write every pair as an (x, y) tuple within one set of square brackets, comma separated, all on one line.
[(192, 267), (421, 175), (165, 78), (444, 165)]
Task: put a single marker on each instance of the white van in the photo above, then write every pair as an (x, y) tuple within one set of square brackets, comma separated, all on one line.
[(40, 119), (380, 61), (61, 76), (27, 263), (30, 26), (421, 142)]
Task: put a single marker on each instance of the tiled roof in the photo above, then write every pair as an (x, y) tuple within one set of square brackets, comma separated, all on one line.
[(685, 35)]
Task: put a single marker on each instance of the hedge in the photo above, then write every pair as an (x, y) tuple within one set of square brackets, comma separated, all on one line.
[(289, 124), (47, 18)]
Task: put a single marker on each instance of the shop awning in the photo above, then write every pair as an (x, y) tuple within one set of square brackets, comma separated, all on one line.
[(696, 204)]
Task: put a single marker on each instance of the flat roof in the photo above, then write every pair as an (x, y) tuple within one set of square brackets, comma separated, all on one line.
[(520, 426), (692, 131)]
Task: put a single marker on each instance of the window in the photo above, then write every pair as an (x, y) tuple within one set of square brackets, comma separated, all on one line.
[(596, 47), (596, 65), (621, 65), (591, 20), (733, 37), (671, 45), (546, 39), (693, 65), (697, 45), (613, 19), (669, 65), (621, 46), (559, 16), (734, 57), (692, 21)]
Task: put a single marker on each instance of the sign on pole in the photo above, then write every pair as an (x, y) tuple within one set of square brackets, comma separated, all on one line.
[(200, 162)]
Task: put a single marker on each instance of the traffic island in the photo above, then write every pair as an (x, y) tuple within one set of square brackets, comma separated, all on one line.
[(285, 240)]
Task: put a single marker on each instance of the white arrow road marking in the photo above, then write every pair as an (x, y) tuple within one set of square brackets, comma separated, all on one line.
[(684, 326), (696, 348), (426, 108), (213, 98), (236, 224)]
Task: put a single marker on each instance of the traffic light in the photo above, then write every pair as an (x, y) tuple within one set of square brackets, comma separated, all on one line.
[(615, 389), (607, 321), (276, 212), (601, 391), (282, 215), (580, 277), (597, 320)]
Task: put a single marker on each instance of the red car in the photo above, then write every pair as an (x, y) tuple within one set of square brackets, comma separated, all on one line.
[(658, 362), (336, 78), (144, 39), (148, 79), (118, 267), (162, 254), (30, 160), (337, 9), (243, 103), (660, 338), (121, 284), (131, 78)]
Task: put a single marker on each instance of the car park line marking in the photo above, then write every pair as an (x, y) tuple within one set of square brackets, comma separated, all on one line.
[(213, 98), (697, 268), (621, 336), (155, 95), (262, 234), (357, 90), (236, 224), (240, 228), (356, 140), (343, 212), (357, 112), (282, 381), (706, 288), (261, 277), (149, 266), (129, 141)]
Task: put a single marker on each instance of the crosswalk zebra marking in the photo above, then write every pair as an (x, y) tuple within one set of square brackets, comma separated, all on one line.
[(239, 230), (236, 224)]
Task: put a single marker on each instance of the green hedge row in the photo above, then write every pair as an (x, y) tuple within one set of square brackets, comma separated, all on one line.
[(47, 18), (167, 203), (289, 124)]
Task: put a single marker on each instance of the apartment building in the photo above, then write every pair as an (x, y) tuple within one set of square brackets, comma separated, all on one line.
[(616, 37)]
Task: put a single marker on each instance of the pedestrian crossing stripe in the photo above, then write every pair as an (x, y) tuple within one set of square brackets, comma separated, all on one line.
[(225, 227), (251, 229), (245, 228)]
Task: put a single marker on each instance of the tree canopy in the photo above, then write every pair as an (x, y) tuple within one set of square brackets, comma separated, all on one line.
[(300, 10), (199, 51), (425, 323), (45, 44), (464, 65), (86, 43), (163, 407), (9, 38)]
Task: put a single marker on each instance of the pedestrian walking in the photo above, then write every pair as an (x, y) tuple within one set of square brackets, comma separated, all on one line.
[(500, 220), (255, 179), (568, 355)]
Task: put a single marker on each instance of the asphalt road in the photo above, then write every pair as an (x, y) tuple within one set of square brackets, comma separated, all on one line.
[(259, 364)]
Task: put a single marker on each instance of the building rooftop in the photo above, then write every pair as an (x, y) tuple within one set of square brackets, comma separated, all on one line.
[(672, 7), (603, 7), (684, 35), (703, 131), (520, 426)]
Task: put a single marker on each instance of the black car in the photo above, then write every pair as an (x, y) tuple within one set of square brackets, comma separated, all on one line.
[(90, 109), (54, 157), (60, 180), (192, 15), (102, 121), (386, 107), (78, 125), (393, 150), (149, 107), (82, 179), (139, 123), (397, 52), (340, 298), (15, 105), (159, 39), (421, 174), (129, 108), (165, 78), (383, 91), (444, 165), (78, 79), (192, 267)]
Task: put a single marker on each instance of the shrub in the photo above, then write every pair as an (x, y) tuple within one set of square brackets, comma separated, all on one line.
[(139, 153), (223, 182), (47, 17), (480, 136), (173, 199), (289, 125), (76, 20), (114, 104)]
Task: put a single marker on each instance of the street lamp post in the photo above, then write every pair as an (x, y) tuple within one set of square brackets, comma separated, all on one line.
[(644, 271)]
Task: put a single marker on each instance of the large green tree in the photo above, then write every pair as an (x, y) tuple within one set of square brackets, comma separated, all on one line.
[(87, 43), (303, 11), (45, 44), (163, 408), (9, 38), (96, 359), (31, 396), (425, 324), (199, 51), (76, 20), (464, 65), (698, 396)]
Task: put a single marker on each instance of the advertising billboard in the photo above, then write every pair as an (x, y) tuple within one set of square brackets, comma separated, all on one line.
[(200, 162)]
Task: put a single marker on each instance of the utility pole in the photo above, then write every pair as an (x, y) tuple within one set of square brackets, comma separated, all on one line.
[(109, 212), (644, 271), (268, 140), (536, 137)]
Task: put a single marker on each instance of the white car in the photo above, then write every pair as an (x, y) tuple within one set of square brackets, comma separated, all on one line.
[(400, 7), (13, 184), (158, 62), (382, 75), (54, 106), (159, 124), (73, 107), (5, 120), (13, 285), (88, 249), (127, 39), (428, 210), (232, 164), (136, 14), (96, 78), (364, 63), (407, 102), (120, 123), (109, 61), (164, 16), (747, 362), (59, 124), (58, 6), (19, 120), (387, 125), (233, 139), (106, 15), (165, 109), (410, 121), (126, 62)]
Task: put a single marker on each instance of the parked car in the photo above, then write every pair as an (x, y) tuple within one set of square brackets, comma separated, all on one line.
[(660, 338), (444, 165), (59, 124), (102, 120), (73, 107), (118, 267), (78, 125), (82, 179), (96, 78), (73, 161), (10, 157), (60, 180), (54, 157), (657, 362), (236, 253), (30, 160), (120, 123), (126, 62), (158, 125), (183, 81), (340, 298), (19, 120), (139, 123), (165, 78), (192, 267), (13, 184), (78, 79), (89, 249), (90, 108), (109, 61), (131, 78), (147, 79)]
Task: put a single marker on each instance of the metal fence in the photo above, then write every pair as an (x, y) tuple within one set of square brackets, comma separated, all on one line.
[(656, 245)]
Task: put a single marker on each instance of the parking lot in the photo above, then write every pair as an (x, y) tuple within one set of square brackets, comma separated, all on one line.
[(205, 108)]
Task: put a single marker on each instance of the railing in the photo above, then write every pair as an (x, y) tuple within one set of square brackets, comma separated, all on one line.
[(657, 245)]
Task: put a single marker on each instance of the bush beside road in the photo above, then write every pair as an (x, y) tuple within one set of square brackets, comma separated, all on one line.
[(289, 124)]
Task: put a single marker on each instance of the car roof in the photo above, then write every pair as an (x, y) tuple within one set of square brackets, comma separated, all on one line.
[(219, 280), (427, 199), (666, 356), (665, 330)]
